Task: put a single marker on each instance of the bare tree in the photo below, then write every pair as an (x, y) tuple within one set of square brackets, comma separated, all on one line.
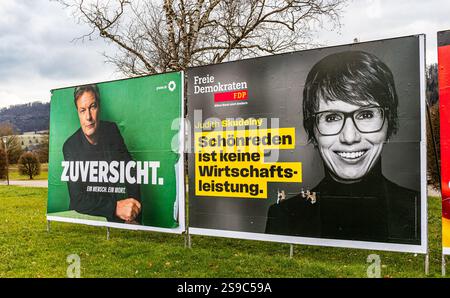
[(433, 131), (433, 136), (12, 144), (42, 150), (165, 35), (432, 90), (3, 170)]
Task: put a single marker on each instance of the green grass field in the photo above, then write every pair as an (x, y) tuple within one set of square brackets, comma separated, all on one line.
[(14, 173), (28, 250)]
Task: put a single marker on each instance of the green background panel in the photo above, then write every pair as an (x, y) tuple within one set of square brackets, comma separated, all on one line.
[(144, 116)]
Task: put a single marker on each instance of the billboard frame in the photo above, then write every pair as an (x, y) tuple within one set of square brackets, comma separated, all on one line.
[(382, 246), (444, 43), (180, 173)]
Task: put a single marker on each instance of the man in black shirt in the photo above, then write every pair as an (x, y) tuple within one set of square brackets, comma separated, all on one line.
[(99, 141)]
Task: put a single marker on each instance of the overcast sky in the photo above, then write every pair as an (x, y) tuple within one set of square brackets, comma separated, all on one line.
[(37, 52)]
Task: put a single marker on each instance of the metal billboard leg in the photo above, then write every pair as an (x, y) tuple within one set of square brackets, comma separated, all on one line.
[(48, 226), (291, 251), (443, 265), (107, 233), (427, 264), (187, 240)]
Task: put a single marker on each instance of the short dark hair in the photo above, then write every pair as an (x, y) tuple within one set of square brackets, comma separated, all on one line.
[(80, 90), (352, 77)]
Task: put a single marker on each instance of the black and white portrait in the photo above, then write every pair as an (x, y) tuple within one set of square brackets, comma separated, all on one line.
[(350, 107)]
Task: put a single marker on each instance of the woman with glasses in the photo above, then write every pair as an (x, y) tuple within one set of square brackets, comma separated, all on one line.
[(350, 111)]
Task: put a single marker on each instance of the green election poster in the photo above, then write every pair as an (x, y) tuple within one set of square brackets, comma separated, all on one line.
[(115, 154)]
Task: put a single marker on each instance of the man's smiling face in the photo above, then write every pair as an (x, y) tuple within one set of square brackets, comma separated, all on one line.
[(350, 154)]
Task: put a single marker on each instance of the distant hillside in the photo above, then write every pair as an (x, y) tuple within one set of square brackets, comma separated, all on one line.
[(27, 117)]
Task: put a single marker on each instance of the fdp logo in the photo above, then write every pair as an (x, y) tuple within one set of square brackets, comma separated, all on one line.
[(231, 96)]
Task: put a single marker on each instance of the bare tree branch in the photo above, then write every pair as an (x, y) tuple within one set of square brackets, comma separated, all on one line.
[(162, 35)]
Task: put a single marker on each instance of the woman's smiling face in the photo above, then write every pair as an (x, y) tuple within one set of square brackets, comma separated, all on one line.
[(350, 154)]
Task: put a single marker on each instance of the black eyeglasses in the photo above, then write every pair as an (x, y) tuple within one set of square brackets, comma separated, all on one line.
[(366, 119)]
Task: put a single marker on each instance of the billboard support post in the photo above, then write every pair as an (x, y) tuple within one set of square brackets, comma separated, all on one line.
[(48, 226), (107, 233), (187, 240), (291, 252), (427, 264), (443, 265)]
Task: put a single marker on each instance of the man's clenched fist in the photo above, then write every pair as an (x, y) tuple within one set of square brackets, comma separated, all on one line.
[(128, 209)]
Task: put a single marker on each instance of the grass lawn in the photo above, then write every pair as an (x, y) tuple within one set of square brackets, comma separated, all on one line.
[(28, 250), (14, 173)]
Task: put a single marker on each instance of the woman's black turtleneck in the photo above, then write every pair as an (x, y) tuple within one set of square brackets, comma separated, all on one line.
[(372, 209)]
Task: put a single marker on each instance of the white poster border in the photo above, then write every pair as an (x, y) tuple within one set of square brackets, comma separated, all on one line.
[(181, 182)]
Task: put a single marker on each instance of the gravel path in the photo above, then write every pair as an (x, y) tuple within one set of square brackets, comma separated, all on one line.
[(433, 192), (27, 183)]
